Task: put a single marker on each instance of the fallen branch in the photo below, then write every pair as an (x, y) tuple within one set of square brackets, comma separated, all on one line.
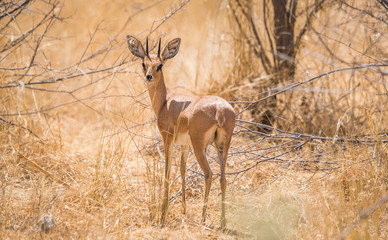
[(35, 165)]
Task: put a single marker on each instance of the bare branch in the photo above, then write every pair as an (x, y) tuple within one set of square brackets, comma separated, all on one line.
[(168, 16), (59, 79), (383, 3), (367, 12), (25, 128), (373, 67), (317, 7), (364, 215), (354, 139)]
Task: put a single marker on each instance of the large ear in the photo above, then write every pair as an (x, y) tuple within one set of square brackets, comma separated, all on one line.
[(135, 47), (171, 49)]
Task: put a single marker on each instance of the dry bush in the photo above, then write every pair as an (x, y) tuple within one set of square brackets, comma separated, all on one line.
[(337, 35), (79, 143)]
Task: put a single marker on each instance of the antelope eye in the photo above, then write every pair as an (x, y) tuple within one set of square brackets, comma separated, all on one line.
[(144, 66), (159, 67)]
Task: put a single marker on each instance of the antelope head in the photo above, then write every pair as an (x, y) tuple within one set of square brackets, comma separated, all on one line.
[(152, 64)]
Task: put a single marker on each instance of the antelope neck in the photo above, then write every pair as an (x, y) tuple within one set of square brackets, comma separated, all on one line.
[(158, 94)]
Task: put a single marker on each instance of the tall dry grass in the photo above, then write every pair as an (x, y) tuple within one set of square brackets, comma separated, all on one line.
[(94, 164)]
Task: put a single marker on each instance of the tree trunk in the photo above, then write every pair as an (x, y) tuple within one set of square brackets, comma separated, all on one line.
[(284, 65), (284, 23)]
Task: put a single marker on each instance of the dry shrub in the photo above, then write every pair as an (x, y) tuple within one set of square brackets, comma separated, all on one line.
[(340, 35)]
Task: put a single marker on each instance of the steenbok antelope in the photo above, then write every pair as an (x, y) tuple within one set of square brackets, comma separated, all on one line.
[(186, 120)]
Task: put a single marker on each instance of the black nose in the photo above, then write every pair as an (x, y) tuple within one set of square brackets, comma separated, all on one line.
[(149, 77)]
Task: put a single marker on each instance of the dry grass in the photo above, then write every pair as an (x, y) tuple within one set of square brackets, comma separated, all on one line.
[(95, 166)]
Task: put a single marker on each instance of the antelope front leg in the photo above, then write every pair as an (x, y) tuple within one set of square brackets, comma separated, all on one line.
[(168, 154), (185, 154)]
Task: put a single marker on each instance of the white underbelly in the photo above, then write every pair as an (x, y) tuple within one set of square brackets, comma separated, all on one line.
[(183, 139)]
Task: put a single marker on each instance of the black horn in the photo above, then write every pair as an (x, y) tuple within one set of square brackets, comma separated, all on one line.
[(160, 39), (147, 47)]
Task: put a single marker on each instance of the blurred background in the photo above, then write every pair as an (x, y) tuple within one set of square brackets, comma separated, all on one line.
[(307, 79)]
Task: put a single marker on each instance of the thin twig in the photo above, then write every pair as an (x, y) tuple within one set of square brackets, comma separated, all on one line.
[(364, 215), (25, 128)]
